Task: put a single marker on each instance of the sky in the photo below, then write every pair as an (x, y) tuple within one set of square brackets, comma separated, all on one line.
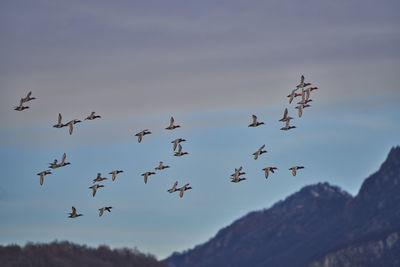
[(211, 65)]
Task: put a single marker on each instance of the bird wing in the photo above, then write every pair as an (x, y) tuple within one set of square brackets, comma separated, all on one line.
[(63, 158), (59, 118), (92, 114), (145, 178), (287, 123), (266, 173), (140, 136), (174, 186), (285, 113), (302, 79), (94, 190), (254, 119), (73, 210), (300, 111), (171, 122), (113, 175), (182, 191), (255, 155), (101, 212), (179, 148), (71, 128), (41, 178), (261, 148), (294, 171)]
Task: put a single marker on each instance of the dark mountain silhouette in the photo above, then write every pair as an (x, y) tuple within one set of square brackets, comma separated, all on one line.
[(320, 225), (66, 254)]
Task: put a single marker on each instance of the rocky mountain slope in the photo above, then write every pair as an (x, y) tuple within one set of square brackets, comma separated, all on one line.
[(320, 225)]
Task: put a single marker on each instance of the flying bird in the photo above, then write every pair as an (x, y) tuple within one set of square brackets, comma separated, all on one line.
[(42, 175), (21, 107), (141, 134), (92, 116), (285, 116), (146, 175), (173, 189), (287, 126), (95, 187), (101, 211), (180, 153), (295, 168), (99, 178), (161, 166), (73, 214), (177, 141), (269, 169), (255, 123), (183, 189), (71, 125), (114, 173), (59, 123), (259, 152), (28, 97), (171, 124)]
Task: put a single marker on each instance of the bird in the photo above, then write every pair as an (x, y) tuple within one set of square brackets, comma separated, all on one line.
[(301, 107), (177, 141), (73, 214), (28, 97), (146, 175), (285, 116), (161, 166), (302, 84), (71, 125), (92, 116), (59, 123), (287, 126), (42, 175), (259, 152), (180, 153), (292, 95), (114, 173), (304, 97), (141, 134), (101, 211), (54, 165), (95, 187), (171, 124), (295, 168), (183, 189), (237, 172), (21, 107), (269, 169), (99, 178), (63, 163), (255, 123), (173, 189), (237, 179)]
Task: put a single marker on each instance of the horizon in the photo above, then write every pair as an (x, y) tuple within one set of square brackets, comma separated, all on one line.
[(210, 66)]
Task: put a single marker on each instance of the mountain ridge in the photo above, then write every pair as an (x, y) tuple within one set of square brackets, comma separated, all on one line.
[(305, 225)]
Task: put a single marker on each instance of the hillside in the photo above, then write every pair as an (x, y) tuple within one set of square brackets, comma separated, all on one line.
[(320, 225)]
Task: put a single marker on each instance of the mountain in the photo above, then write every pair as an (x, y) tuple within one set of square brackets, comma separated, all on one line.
[(320, 225), (66, 254)]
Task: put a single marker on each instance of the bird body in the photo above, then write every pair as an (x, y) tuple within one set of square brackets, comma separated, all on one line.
[(180, 153), (255, 123), (171, 124), (268, 170), (59, 122), (42, 175), (101, 211), (146, 175), (73, 214), (295, 168), (95, 187), (99, 178), (161, 166), (141, 134), (177, 141), (114, 174), (92, 116), (259, 152)]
